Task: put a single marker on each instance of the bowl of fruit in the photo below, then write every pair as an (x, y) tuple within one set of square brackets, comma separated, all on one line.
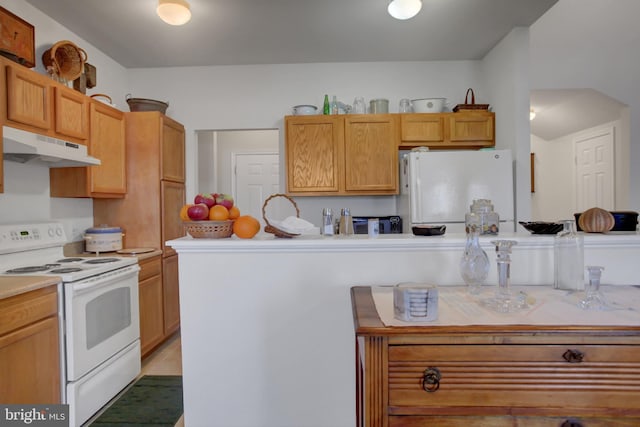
[(214, 216)]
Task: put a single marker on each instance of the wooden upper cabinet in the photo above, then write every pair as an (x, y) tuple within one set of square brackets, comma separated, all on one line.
[(461, 130), (371, 153), (173, 149), (314, 151), (71, 113), (342, 155), (28, 98), (107, 143)]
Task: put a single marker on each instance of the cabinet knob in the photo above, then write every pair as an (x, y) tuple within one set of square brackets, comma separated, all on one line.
[(431, 380), (573, 356), (571, 423)]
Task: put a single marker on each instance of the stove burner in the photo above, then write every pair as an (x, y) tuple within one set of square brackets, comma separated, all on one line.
[(29, 269), (65, 270), (69, 260), (101, 260)]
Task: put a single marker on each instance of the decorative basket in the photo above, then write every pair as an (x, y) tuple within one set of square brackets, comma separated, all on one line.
[(269, 228), (472, 105), (209, 229), (142, 104), (65, 60)]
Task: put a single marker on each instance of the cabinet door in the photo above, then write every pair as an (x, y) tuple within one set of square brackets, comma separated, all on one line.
[(472, 127), (71, 113), (172, 140), (171, 294), (107, 143), (151, 308), (421, 129), (314, 152), (173, 198), (28, 97), (30, 364), (371, 153)]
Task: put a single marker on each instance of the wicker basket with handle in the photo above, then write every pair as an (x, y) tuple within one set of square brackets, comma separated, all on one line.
[(209, 229), (65, 60), (472, 105), (269, 228)]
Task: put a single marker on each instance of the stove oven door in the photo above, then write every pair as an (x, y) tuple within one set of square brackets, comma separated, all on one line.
[(102, 318)]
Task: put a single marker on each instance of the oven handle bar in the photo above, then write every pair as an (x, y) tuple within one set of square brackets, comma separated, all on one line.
[(104, 279)]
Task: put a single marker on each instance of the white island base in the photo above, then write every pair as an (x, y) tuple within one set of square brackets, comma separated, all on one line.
[(266, 323)]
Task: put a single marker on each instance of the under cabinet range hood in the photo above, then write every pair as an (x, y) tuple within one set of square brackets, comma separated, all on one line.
[(22, 146)]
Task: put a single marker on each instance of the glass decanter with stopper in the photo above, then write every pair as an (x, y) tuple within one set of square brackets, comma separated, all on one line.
[(504, 301), (568, 252), (474, 265)]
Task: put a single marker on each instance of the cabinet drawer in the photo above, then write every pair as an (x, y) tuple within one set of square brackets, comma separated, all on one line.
[(526, 376), (509, 421), (24, 309), (149, 268)]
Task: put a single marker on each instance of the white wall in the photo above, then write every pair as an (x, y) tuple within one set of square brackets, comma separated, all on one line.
[(593, 44), (26, 196)]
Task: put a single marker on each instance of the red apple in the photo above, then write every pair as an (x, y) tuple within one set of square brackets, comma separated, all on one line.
[(198, 212), (225, 200), (206, 198)]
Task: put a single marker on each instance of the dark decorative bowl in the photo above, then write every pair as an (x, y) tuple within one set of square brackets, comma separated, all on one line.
[(541, 227), (429, 230)]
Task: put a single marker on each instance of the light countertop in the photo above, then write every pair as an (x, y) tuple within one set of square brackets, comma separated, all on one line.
[(15, 285)]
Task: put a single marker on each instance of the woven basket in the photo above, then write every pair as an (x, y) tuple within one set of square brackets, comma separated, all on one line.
[(209, 229), (472, 105), (65, 60), (142, 104), (269, 228)]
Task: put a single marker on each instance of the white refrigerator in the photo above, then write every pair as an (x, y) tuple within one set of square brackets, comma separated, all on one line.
[(438, 187)]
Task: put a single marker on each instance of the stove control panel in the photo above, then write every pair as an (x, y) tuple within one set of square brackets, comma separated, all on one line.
[(22, 237)]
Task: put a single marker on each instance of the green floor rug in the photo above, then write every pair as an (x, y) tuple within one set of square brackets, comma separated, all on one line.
[(153, 401)]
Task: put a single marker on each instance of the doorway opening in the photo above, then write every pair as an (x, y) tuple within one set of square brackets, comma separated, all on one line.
[(564, 132), (243, 163)]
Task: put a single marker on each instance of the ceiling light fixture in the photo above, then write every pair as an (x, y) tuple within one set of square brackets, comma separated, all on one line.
[(404, 9), (532, 114), (174, 12)]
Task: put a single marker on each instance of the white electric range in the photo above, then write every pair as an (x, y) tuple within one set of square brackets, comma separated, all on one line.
[(98, 311)]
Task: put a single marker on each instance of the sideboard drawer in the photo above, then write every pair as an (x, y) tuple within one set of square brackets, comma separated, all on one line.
[(509, 421), (525, 376)]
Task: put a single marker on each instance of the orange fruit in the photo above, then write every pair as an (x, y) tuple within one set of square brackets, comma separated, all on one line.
[(218, 213), (234, 212), (246, 226), (183, 212)]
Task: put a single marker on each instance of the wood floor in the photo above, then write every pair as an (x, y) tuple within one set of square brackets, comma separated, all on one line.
[(166, 360)]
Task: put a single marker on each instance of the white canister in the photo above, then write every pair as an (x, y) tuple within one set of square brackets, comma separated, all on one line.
[(103, 239)]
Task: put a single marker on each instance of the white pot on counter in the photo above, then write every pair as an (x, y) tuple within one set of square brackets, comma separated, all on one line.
[(103, 239)]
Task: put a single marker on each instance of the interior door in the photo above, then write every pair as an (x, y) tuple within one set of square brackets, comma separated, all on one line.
[(255, 177), (595, 171)]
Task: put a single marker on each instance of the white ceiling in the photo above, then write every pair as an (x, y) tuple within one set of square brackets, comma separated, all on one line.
[(235, 32)]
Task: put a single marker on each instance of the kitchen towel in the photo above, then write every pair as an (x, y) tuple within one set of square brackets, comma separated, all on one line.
[(154, 400)]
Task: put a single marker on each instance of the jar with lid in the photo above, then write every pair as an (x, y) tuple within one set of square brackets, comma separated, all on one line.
[(489, 219), (346, 222)]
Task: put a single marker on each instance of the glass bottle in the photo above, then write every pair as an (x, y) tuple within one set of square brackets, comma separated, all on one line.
[(326, 109), (593, 299), (334, 105), (474, 265), (568, 258)]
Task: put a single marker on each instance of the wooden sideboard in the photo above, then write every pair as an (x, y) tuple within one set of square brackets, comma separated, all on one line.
[(493, 375)]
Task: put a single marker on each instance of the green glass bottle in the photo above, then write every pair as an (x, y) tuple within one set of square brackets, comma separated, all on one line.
[(327, 108)]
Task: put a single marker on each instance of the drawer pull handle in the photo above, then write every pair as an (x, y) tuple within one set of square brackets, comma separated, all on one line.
[(431, 380), (573, 356), (571, 423)]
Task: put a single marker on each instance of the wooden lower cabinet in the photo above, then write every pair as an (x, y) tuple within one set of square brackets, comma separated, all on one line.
[(171, 294), (29, 348), (494, 375), (150, 300)]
